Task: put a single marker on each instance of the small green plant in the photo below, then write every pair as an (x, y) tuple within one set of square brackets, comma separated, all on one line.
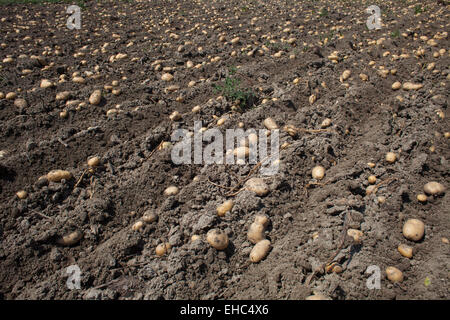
[(418, 9), (232, 90), (323, 12)]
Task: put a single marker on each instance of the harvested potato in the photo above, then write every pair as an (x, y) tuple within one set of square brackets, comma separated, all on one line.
[(45, 83), (318, 172), (175, 116), (355, 234), (270, 124), (11, 96), (149, 216), (396, 85), (414, 229), (434, 188), (171, 191), (137, 226), (391, 157), (162, 249), (372, 179), (394, 274), (22, 194), (58, 175), (224, 208), (63, 96), (93, 162), (218, 239), (20, 103), (71, 238), (345, 75), (317, 296), (422, 197), (258, 186), (325, 123), (95, 97), (412, 86), (256, 231), (195, 237), (260, 251), (405, 250)]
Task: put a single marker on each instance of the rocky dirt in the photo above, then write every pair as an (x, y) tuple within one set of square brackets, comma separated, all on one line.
[(283, 57)]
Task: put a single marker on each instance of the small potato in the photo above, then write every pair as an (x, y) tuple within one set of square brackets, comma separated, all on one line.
[(414, 229), (391, 157), (20, 103), (258, 186), (372, 179), (345, 75), (262, 219), (260, 250), (45, 83), (318, 172), (71, 238), (394, 274), (95, 97), (93, 162), (58, 175), (396, 85), (405, 250), (162, 249), (224, 208), (218, 239), (167, 77), (196, 109), (11, 96), (270, 124), (175, 116), (325, 123), (355, 234), (149, 216), (434, 188), (171, 191), (317, 296), (137, 226), (256, 233), (63, 96), (422, 197), (22, 194), (412, 86)]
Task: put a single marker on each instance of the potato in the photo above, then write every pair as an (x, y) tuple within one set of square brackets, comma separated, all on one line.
[(372, 179), (345, 75), (363, 77), (318, 172), (45, 83), (71, 238), (414, 229), (434, 188), (11, 96), (171, 191), (195, 237), (149, 216), (241, 152), (224, 208), (391, 157), (258, 186), (175, 116), (95, 97), (355, 234), (79, 80), (196, 109), (317, 296), (396, 85), (421, 197), (394, 274), (58, 175), (137, 226), (64, 114), (412, 86), (270, 124), (218, 239), (63, 96), (405, 250), (256, 233), (93, 161), (22, 194), (167, 77), (260, 251), (325, 123), (162, 249), (2, 95)]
